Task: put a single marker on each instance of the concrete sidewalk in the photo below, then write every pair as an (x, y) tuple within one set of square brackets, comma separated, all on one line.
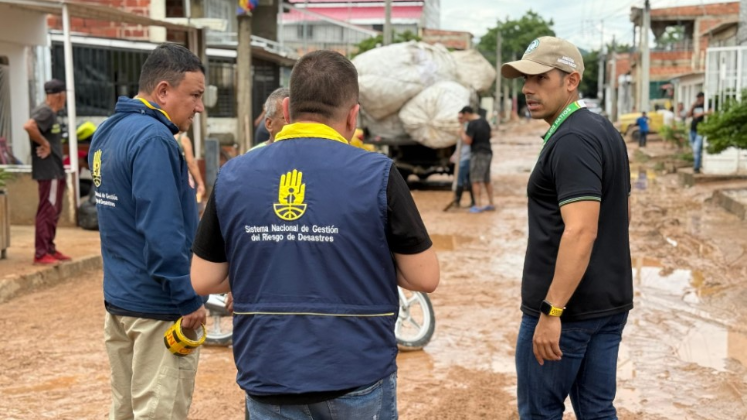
[(18, 275)]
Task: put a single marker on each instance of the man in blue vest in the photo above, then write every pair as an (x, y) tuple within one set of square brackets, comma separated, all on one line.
[(312, 237), (147, 216)]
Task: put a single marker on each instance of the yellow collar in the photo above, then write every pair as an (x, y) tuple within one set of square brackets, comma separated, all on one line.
[(309, 130), (149, 105)]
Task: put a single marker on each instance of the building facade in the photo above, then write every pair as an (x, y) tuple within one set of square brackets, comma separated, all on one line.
[(682, 35), (340, 25)]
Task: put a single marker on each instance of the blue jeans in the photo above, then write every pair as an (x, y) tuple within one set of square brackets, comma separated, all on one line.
[(696, 142), (587, 372), (374, 402), (463, 173)]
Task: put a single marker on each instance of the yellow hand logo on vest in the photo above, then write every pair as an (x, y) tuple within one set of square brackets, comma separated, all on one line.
[(96, 171), (291, 193)]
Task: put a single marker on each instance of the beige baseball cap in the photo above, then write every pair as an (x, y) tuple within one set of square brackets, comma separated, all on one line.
[(544, 54)]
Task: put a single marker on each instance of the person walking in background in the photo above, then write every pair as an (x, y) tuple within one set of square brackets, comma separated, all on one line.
[(697, 113), (642, 123), (274, 121), (48, 171), (477, 135), (195, 177), (316, 235), (147, 219), (463, 180), (577, 286)]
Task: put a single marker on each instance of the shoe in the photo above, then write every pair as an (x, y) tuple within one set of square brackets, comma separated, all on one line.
[(475, 209), (489, 207), (697, 171), (59, 256), (46, 260)]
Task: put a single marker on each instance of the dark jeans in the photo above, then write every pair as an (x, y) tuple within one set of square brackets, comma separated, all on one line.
[(47, 215), (642, 138), (377, 401), (587, 372)]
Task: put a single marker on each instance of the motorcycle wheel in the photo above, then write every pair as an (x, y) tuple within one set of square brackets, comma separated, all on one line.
[(219, 324), (416, 321)]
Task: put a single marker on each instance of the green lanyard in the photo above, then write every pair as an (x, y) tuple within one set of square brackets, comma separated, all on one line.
[(570, 109)]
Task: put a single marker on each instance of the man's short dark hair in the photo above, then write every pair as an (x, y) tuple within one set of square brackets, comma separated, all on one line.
[(323, 83), (168, 62), (700, 95), (466, 110)]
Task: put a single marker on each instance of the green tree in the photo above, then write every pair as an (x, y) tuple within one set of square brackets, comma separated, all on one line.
[(378, 40), (725, 128), (588, 86), (516, 36)]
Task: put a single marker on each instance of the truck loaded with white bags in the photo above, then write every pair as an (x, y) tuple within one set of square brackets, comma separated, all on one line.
[(410, 95)]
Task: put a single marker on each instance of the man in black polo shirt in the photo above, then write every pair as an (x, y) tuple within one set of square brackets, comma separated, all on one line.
[(477, 135), (577, 285)]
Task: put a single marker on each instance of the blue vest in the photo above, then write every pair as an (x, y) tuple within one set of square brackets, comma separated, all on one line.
[(312, 276)]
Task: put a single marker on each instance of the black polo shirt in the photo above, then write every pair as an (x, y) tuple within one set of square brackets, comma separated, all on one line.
[(586, 159)]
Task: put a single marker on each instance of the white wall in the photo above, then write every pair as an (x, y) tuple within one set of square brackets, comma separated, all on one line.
[(21, 27), (20, 30), (19, 97)]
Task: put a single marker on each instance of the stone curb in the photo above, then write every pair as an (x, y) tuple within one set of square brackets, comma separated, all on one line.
[(688, 178), (723, 199), (17, 285)]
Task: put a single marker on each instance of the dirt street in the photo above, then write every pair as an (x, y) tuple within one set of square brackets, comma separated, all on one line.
[(684, 351)]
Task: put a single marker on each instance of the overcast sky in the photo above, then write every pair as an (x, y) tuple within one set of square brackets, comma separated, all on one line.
[(578, 21)]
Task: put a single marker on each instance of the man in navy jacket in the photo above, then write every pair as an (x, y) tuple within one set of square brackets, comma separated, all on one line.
[(147, 218)]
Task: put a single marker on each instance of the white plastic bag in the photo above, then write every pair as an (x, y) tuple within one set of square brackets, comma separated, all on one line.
[(431, 117), (390, 76), (389, 127), (473, 70)]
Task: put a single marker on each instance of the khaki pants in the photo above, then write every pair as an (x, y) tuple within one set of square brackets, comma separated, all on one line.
[(148, 382)]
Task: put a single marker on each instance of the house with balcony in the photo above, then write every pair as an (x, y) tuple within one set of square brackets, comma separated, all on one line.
[(108, 55), (339, 25), (678, 59)]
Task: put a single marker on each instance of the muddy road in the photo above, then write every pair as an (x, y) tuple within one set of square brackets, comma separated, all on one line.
[(683, 356)]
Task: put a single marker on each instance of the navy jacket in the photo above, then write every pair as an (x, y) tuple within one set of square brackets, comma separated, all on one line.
[(146, 209), (313, 280)]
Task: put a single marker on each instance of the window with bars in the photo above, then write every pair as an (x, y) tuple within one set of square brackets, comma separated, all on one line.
[(101, 75), (222, 75)]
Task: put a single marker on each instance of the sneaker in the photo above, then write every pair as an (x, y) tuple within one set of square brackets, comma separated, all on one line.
[(475, 209), (59, 256), (46, 260), (489, 207)]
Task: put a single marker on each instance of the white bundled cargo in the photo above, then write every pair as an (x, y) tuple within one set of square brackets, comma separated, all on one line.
[(390, 76), (473, 70), (431, 117), (389, 127)]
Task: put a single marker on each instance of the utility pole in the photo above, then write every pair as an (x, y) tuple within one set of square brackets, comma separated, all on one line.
[(600, 78), (497, 102), (645, 59), (305, 26), (514, 94), (244, 82), (613, 82), (387, 22)]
